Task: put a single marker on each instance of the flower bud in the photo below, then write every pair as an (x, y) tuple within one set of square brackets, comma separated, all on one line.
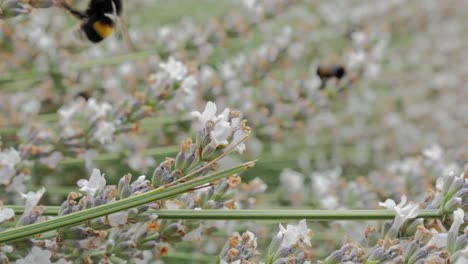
[(78, 233), (334, 258), (208, 152), (41, 3), (461, 243), (285, 251), (411, 248), (456, 185), (180, 161), (413, 227), (161, 172), (447, 180), (275, 243), (376, 254), (13, 12), (126, 245), (452, 204)]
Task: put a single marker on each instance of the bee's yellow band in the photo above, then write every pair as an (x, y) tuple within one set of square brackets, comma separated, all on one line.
[(102, 29)]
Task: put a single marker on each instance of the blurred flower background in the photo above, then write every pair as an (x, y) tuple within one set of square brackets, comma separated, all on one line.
[(387, 129)]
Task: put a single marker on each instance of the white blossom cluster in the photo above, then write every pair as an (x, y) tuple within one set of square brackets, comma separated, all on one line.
[(329, 145)]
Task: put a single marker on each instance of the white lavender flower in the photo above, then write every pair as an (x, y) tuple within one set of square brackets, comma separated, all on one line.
[(175, 69), (9, 158), (404, 212), (97, 109), (208, 114), (295, 233), (6, 214), (32, 199), (238, 136), (220, 134), (38, 255), (105, 132), (96, 183)]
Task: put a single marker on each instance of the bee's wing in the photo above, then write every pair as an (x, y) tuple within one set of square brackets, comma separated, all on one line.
[(124, 29), (122, 26)]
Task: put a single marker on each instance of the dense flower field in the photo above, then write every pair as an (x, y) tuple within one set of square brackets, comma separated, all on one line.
[(253, 131)]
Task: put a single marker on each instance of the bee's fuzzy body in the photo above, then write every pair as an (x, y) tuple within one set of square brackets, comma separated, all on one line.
[(97, 21)]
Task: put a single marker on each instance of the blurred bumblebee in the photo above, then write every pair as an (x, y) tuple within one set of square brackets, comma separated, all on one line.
[(85, 95), (328, 71), (99, 20)]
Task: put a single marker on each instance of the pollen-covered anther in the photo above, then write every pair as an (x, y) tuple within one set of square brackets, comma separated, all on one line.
[(73, 196), (112, 193), (234, 114), (246, 237), (245, 127), (140, 97), (186, 145), (209, 124), (234, 241), (181, 231), (432, 225), (231, 204), (380, 242), (136, 127), (233, 253), (152, 79), (88, 260), (369, 230), (161, 250), (164, 93), (300, 242), (33, 150), (234, 181), (192, 67), (214, 166), (152, 226), (169, 161), (429, 195), (147, 109)]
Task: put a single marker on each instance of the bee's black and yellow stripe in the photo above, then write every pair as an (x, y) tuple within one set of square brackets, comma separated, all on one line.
[(97, 22)]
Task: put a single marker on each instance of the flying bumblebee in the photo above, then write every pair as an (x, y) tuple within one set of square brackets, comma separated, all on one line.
[(85, 95), (328, 71), (99, 20)]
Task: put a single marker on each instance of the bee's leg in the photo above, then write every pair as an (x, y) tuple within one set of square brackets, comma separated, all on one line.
[(323, 82), (76, 13)]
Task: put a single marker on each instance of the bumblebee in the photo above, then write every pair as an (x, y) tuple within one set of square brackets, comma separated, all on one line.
[(85, 95), (328, 71), (99, 19), (331, 71)]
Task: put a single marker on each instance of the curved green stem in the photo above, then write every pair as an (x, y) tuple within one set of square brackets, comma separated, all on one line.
[(269, 214), (124, 204), (156, 152)]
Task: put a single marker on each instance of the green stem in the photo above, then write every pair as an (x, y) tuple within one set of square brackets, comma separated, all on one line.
[(124, 204), (37, 74), (107, 157), (147, 124), (190, 257), (268, 214)]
